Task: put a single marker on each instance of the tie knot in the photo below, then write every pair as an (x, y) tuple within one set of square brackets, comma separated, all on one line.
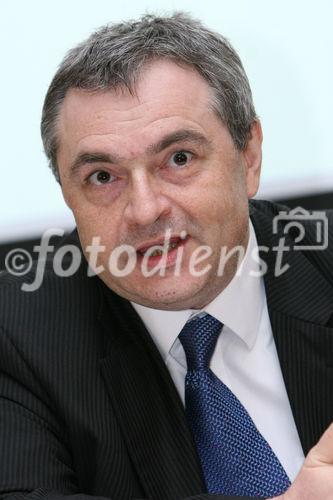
[(198, 338)]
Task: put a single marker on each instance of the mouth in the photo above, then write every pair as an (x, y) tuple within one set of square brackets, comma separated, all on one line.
[(155, 251)]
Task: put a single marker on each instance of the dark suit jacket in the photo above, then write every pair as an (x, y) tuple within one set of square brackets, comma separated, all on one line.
[(87, 406)]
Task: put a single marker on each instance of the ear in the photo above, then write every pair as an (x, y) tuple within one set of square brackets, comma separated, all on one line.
[(252, 156)]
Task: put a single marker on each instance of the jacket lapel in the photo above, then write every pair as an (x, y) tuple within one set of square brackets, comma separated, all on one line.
[(300, 304), (148, 407)]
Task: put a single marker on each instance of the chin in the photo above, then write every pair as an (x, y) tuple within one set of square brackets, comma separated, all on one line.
[(166, 295)]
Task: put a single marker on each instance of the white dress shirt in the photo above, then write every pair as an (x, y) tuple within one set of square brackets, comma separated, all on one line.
[(245, 357)]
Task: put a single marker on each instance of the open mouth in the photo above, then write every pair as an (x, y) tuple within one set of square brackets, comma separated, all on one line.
[(153, 253), (159, 248)]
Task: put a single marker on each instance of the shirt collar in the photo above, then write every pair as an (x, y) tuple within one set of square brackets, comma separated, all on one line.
[(238, 306)]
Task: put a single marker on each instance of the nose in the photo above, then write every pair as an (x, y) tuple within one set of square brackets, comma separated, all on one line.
[(146, 203)]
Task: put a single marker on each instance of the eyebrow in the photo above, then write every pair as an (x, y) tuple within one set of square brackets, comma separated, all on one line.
[(93, 157), (178, 136), (174, 137)]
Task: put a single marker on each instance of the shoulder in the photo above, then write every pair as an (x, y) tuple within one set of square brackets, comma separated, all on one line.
[(43, 308), (270, 209), (309, 233)]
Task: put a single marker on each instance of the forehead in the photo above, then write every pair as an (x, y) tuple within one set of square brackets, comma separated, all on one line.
[(166, 96)]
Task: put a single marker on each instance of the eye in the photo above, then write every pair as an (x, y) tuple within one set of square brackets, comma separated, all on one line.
[(101, 177), (180, 159)]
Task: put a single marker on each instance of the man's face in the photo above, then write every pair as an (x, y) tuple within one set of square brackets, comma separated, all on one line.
[(134, 167)]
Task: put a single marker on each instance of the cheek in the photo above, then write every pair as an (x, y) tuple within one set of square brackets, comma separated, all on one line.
[(223, 213), (210, 203), (97, 227)]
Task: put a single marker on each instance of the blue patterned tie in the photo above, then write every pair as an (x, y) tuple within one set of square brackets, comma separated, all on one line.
[(235, 458)]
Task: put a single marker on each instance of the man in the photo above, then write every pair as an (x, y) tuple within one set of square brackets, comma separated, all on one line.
[(151, 132)]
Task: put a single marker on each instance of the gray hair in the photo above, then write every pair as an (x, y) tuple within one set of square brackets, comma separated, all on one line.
[(113, 56)]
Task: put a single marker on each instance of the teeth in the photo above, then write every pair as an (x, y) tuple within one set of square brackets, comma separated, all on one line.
[(158, 252)]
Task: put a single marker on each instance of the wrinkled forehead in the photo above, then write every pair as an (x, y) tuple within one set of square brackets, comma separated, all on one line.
[(166, 96)]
